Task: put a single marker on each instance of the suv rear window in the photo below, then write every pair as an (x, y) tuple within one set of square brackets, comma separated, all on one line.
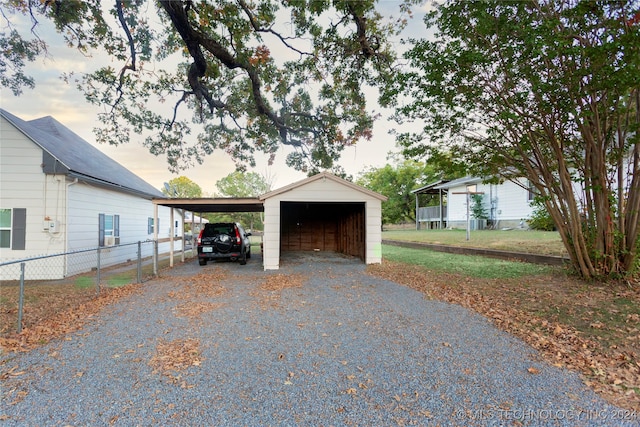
[(211, 230)]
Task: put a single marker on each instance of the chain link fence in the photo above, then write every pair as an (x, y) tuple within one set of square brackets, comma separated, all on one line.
[(78, 270)]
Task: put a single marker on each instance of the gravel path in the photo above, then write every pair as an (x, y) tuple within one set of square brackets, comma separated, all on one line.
[(343, 348)]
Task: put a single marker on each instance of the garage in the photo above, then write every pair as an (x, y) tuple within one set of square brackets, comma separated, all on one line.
[(322, 213)]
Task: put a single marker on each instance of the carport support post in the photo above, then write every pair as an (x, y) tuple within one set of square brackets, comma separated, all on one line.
[(171, 240), (155, 239), (184, 241)]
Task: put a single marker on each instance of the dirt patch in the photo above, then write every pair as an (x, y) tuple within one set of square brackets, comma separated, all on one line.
[(589, 328)]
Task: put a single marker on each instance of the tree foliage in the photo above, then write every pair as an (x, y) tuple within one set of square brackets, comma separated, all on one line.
[(242, 184), (396, 182), (184, 188), (547, 90), (252, 75)]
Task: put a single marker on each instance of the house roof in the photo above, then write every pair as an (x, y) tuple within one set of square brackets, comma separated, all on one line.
[(75, 157), (323, 175), (458, 182), (429, 187)]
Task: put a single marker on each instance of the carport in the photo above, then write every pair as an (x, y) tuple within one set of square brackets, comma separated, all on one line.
[(323, 213), (200, 205)]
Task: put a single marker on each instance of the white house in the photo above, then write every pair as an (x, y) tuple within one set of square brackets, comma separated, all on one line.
[(507, 204), (59, 194)]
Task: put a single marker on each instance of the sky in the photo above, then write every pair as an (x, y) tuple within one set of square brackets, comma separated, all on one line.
[(53, 97)]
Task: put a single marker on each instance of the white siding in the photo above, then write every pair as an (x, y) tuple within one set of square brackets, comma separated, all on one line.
[(374, 231), (271, 236), (24, 185), (74, 206), (512, 203), (87, 202)]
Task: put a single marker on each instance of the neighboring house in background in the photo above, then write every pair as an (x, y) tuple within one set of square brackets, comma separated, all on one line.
[(59, 194), (194, 223), (507, 204)]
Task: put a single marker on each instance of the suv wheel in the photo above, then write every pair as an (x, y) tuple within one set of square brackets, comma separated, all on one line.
[(202, 261), (243, 258)]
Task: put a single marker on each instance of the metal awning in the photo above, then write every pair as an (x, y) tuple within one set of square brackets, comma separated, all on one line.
[(215, 204)]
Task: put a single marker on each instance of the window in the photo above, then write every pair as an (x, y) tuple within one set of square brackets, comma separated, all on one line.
[(531, 193), (108, 230), (5, 228), (13, 228), (149, 225)]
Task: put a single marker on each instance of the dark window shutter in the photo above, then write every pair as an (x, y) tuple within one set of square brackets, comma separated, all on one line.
[(19, 229), (100, 229), (116, 229)]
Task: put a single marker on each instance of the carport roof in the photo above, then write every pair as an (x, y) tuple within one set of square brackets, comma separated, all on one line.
[(217, 204)]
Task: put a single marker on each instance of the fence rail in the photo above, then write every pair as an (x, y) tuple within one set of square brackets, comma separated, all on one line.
[(101, 266)]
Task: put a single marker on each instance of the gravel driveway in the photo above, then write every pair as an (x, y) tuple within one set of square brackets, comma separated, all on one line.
[(318, 342)]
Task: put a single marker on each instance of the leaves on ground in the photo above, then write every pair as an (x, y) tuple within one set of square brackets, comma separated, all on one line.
[(195, 290), (175, 356), (270, 289), (61, 312), (553, 314)]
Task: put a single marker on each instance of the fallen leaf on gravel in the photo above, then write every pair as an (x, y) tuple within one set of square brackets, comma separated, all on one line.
[(533, 371), (176, 355), (278, 282)]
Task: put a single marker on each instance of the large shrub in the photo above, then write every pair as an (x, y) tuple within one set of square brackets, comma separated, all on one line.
[(540, 218)]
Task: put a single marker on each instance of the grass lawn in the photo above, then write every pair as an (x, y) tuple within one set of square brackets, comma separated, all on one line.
[(528, 241), (471, 265)]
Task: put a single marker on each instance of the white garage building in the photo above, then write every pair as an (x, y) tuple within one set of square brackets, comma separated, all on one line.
[(321, 213)]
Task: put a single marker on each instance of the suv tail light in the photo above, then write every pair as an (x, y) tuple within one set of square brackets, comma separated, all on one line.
[(238, 240), (200, 237)]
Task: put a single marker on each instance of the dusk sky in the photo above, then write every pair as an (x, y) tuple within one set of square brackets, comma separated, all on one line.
[(53, 97)]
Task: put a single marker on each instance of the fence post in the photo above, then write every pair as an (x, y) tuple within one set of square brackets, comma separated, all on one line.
[(139, 262), (155, 257), (21, 298), (98, 274)]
